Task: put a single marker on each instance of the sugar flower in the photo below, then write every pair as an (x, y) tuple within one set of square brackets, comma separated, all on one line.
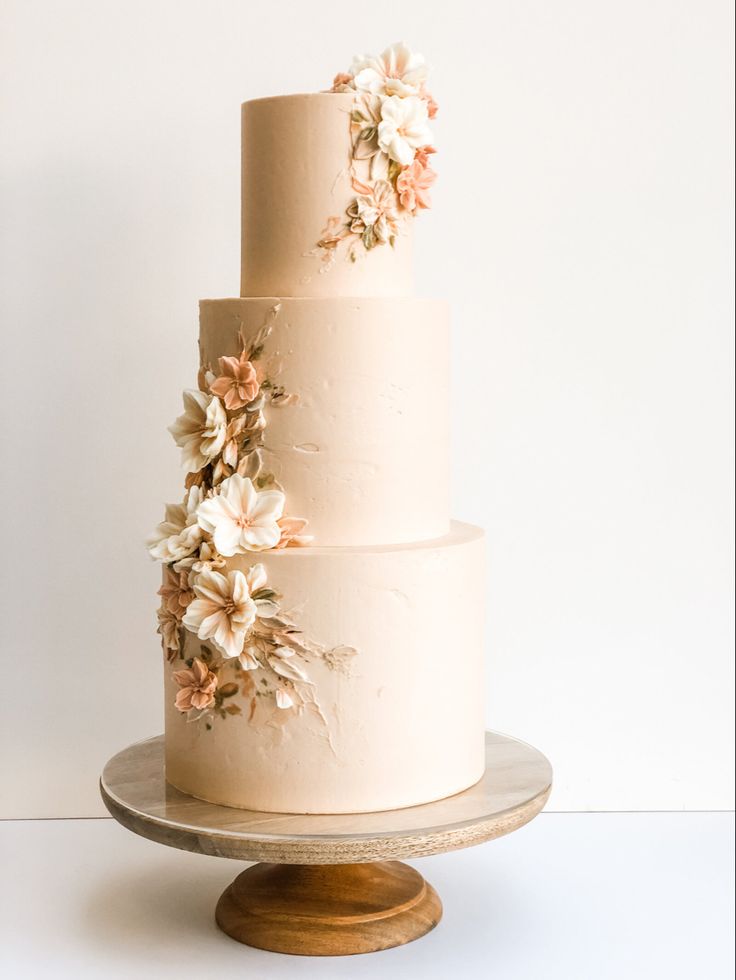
[(432, 107), (404, 127), (413, 185), (197, 687), (399, 71), (200, 431), (373, 214), (179, 534), (291, 532), (237, 384), (169, 626), (175, 592), (241, 519), (206, 558), (222, 610), (342, 82)]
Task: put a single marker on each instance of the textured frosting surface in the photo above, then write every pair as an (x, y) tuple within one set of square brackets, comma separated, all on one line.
[(398, 724), (296, 157), (363, 454)]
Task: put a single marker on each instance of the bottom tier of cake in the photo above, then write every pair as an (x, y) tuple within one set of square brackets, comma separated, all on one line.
[(375, 704)]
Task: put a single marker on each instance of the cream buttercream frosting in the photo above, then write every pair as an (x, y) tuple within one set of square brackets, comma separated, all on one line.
[(322, 618)]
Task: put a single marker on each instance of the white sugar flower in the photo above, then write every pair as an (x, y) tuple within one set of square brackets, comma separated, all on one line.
[(222, 610), (179, 534), (200, 431), (398, 71), (404, 127), (241, 519)]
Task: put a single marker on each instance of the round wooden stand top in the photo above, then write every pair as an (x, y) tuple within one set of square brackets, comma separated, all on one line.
[(513, 790)]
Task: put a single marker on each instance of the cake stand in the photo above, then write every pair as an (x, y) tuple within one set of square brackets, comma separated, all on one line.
[(329, 885)]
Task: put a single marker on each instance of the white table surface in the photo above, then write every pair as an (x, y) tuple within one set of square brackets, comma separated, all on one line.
[(573, 896)]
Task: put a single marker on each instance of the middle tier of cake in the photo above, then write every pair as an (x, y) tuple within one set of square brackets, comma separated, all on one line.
[(361, 448)]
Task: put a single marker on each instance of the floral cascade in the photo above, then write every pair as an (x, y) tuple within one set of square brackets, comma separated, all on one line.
[(389, 127), (232, 506)]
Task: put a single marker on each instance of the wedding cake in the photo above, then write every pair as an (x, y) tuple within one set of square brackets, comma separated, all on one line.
[(321, 616)]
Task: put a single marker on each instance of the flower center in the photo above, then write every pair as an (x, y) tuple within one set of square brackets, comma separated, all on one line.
[(243, 521)]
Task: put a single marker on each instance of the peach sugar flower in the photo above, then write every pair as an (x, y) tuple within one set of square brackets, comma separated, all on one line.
[(413, 183), (423, 154), (237, 384), (198, 686), (432, 107), (342, 82), (169, 626), (291, 532), (175, 592)]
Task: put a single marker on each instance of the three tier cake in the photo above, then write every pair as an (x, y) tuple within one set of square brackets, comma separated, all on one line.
[(321, 616)]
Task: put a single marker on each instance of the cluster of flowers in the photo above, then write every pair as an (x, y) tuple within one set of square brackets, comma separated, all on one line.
[(390, 131), (231, 507)]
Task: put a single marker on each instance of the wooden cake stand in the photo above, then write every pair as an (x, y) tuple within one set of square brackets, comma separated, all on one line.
[(330, 885)]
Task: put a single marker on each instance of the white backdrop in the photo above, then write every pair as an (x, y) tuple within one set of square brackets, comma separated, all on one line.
[(582, 231)]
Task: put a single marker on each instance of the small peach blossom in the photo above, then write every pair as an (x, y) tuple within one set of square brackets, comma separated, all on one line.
[(423, 154), (175, 592), (198, 685), (291, 536), (342, 82), (413, 185), (238, 382), (432, 107), (169, 626)]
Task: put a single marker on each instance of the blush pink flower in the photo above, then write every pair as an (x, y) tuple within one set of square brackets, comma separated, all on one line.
[(291, 533), (238, 382), (432, 107), (423, 154), (342, 82), (197, 687), (413, 185)]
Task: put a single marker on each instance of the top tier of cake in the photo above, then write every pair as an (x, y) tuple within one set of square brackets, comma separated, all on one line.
[(295, 177)]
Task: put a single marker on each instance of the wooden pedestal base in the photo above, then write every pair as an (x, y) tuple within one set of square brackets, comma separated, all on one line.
[(328, 909), (312, 899)]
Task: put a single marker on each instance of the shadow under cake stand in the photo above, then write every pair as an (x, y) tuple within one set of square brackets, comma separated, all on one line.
[(329, 885)]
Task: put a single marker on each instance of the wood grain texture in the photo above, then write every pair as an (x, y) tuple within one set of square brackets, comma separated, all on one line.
[(513, 790), (328, 910), (332, 885)]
